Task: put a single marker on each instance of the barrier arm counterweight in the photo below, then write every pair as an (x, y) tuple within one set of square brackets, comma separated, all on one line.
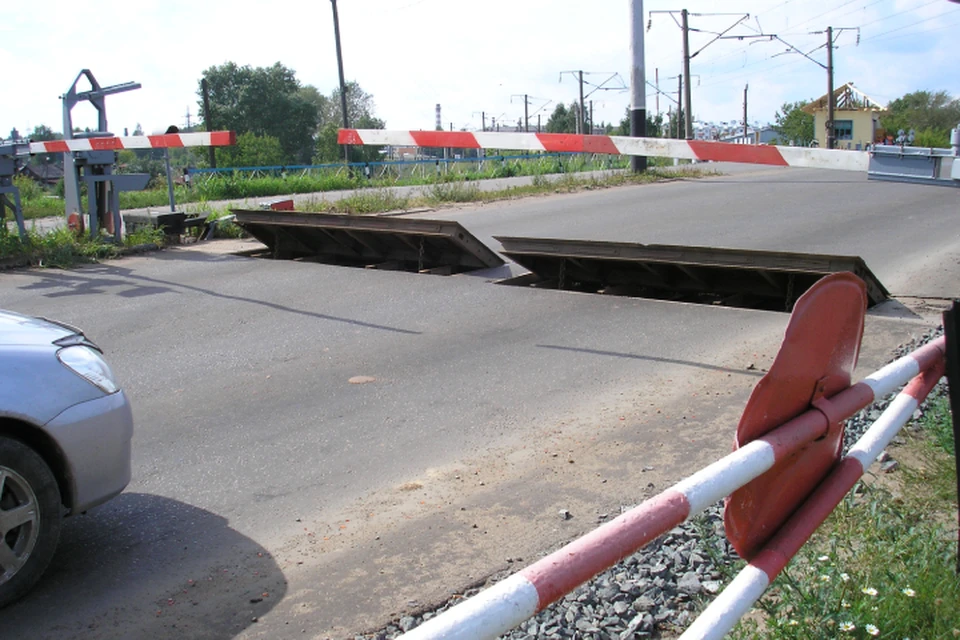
[(737, 599), (508, 603)]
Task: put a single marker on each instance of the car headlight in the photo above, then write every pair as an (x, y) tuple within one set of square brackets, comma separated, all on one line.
[(87, 363)]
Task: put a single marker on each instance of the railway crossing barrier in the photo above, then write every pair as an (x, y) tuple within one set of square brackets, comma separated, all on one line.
[(788, 442), (883, 162), (93, 158), (89, 158), (619, 145)]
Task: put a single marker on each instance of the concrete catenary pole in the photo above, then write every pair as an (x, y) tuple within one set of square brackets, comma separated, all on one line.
[(679, 107), (638, 82), (688, 129), (582, 120), (831, 129)]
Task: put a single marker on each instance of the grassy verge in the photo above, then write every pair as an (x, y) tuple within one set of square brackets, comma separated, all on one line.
[(884, 564), (39, 203), (63, 248)]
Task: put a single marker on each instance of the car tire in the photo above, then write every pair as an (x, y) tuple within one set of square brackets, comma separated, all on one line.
[(28, 537)]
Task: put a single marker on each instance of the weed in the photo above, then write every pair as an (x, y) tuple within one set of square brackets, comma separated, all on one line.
[(881, 566), (370, 201), (937, 423), (454, 192)]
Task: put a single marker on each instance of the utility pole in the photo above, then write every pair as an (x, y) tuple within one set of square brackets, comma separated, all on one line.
[(582, 118), (688, 128), (831, 130), (831, 99), (687, 56), (679, 108), (526, 110), (638, 83), (483, 120), (582, 112), (343, 84), (745, 88), (656, 77)]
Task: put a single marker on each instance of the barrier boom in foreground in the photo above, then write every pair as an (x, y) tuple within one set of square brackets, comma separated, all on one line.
[(701, 150), (113, 143), (508, 603), (736, 600)]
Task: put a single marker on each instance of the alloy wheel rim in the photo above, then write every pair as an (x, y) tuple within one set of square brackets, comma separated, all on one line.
[(19, 522)]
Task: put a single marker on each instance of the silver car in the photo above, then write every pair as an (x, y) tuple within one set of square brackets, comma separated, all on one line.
[(65, 432)]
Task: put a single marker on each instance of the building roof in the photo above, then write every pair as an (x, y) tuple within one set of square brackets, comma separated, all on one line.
[(48, 172), (846, 98)]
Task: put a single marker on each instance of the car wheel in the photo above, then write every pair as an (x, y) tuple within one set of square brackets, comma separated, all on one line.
[(30, 518)]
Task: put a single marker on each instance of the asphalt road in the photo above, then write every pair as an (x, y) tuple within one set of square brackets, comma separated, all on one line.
[(273, 497)]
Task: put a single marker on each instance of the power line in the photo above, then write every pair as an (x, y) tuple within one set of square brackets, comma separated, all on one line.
[(823, 14), (915, 33), (716, 61), (898, 13), (913, 24)]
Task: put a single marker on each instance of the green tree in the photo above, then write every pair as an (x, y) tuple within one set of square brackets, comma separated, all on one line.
[(43, 133), (654, 125), (360, 110), (252, 150), (311, 94), (793, 125), (268, 102), (563, 119), (932, 114), (675, 126)]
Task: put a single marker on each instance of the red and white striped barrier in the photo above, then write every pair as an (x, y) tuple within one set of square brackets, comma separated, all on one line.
[(737, 599), (521, 596), (166, 140), (617, 145)]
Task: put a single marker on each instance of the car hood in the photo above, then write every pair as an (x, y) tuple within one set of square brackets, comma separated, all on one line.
[(16, 329)]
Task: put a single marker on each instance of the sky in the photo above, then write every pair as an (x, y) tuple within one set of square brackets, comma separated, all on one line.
[(475, 59)]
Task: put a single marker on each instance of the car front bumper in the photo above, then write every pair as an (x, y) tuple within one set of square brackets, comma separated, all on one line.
[(95, 438)]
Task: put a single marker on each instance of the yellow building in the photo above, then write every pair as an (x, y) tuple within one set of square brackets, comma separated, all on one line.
[(856, 118)]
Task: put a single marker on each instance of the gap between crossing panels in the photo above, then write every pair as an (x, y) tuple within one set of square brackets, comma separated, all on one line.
[(440, 247), (771, 280)]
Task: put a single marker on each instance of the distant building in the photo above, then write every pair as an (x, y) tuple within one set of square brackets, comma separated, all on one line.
[(763, 135), (856, 118), (47, 173)]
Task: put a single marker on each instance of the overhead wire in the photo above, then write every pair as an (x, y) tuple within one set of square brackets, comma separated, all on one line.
[(738, 73), (724, 78), (913, 24)]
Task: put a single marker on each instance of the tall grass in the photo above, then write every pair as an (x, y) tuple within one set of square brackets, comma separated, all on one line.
[(883, 565), (62, 248)]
